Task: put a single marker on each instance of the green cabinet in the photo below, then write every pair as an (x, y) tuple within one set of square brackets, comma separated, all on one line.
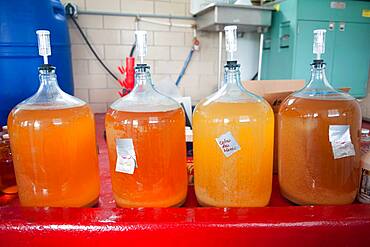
[(287, 52), (304, 56), (351, 59)]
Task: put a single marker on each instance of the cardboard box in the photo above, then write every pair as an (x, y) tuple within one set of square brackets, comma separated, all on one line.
[(274, 92)]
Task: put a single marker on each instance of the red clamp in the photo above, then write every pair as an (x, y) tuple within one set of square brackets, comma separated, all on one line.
[(128, 83)]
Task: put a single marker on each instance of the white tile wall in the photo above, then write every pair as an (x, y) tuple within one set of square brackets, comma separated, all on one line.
[(100, 5), (158, 53), (113, 36), (81, 51), (171, 8), (116, 51), (119, 22), (90, 81), (98, 107), (103, 95), (90, 21), (169, 38), (137, 6), (104, 36)]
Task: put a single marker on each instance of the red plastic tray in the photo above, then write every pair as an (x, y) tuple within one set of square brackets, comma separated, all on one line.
[(281, 223)]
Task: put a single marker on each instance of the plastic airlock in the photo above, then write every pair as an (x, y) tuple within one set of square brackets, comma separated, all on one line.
[(220, 123), (54, 119), (43, 38), (141, 44), (231, 42), (319, 43)]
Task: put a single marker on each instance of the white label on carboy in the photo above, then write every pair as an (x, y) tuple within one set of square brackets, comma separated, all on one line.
[(340, 139), (126, 157), (227, 144)]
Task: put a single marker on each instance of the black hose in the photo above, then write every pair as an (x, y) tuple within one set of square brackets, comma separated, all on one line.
[(133, 49), (92, 49)]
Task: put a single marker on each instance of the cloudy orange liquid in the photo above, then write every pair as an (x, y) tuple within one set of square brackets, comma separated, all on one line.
[(55, 156), (7, 176), (160, 180), (308, 172), (245, 178)]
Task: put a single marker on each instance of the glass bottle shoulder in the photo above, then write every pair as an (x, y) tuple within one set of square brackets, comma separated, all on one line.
[(319, 98), (61, 100), (43, 118), (233, 113), (322, 94), (332, 107), (49, 95), (144, 97), (232, 99), (146, 101), (319, 88)]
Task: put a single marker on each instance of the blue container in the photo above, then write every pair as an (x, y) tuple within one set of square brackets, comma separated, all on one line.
[(19, 57)]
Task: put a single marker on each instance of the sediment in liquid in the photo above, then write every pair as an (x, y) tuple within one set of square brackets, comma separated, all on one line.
[(55, 156), (308, 172), (160, 179), (243, 179)]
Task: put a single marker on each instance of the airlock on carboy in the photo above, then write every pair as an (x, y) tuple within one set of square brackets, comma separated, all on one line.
[(141, 47), (231, 46), (54, 119), (43, 40), (149, 128), (318, 45), (332, 123), (220, 123)]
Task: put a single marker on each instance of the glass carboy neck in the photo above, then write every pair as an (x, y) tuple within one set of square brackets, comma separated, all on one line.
[(49, 87), (232, 76), (318, 81), (143, 79), (319, 87)]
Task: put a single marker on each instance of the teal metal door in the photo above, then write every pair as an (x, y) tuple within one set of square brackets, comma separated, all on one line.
[(303, 53), (352, 42), (347, 42)]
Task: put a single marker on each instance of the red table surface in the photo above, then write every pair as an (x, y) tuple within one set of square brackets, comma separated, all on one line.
[(281, 223)]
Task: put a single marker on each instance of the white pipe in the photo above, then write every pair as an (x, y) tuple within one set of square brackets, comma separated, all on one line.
[(260, 57), (219, 78), (165, 23), (85, 12)]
